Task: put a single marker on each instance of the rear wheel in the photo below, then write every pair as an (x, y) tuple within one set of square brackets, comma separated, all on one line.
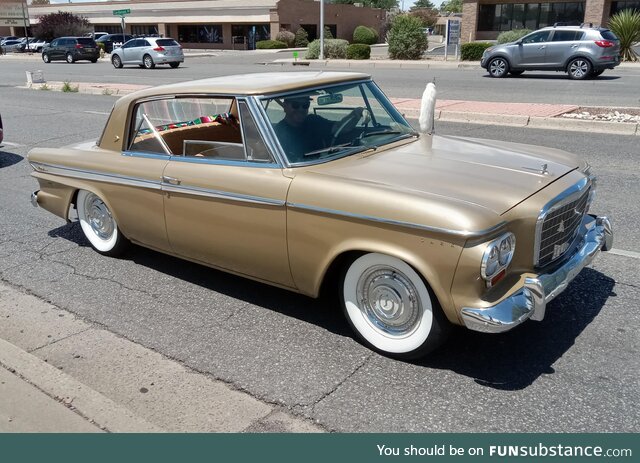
[(116, 61), (70, 58), (174, 65), (498, 67), (98, 225), (148, 62), (390, 308), (95, 60), (579, 69)]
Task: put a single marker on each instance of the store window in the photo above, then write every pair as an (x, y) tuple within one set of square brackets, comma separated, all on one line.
[(207, 33), (509, 16), (616, 7)]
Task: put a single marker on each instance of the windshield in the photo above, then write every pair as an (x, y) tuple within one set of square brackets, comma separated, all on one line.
[(334, 121)]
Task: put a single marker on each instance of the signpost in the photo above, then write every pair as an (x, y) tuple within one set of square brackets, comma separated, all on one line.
[(452, 36), (122, 14)]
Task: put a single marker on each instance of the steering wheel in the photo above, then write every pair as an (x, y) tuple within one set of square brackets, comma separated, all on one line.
[(348, 123)]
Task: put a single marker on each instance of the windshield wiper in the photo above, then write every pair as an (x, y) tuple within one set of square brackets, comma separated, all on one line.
[(387, 132), (330, 150)]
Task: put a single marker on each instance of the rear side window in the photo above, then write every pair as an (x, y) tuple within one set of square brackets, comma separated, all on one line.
[(567, 36), (87, 42), (167, 43), (608, 35)]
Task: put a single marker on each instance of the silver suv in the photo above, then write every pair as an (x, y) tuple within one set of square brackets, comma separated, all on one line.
[(147, 52), (580, 51)]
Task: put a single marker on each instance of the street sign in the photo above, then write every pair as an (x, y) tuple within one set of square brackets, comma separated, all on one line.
[(453, 29), (121, 12)]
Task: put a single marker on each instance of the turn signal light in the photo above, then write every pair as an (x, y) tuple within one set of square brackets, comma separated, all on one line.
[(605, 43)]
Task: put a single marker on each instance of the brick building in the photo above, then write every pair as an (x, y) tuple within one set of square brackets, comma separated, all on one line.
[(485, 19), (217, 24)]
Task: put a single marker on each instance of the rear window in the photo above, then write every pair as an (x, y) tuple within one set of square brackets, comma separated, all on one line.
[(608, 35), (567, 36), (86, 41), (167, 43)]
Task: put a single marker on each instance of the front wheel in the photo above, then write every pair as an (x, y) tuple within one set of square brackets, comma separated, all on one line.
[(70, 58), (99, 225), (579, 69), (116, 61), (46, 58), (148, 62), (390, 308), (498, 67)]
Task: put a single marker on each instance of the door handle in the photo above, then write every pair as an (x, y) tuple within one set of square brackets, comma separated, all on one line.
[(574, 46), (542, 47), (170, 180)]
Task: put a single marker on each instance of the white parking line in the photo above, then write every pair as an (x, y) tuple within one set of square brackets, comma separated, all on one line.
[(622, 252)]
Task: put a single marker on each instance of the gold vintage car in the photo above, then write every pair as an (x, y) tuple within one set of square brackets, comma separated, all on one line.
[(297, 179)]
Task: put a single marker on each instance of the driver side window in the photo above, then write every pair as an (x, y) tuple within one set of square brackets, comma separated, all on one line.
[(537, 37)]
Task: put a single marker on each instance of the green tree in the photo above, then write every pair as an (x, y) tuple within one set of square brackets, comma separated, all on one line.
[(626, 26), (423, 4), (428, 16), (384, 4), (451, 6), (302, 38), (60, 24), (406, 38)]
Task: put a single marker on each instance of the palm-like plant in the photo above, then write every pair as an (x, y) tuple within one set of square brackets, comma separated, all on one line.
[(626, 25)]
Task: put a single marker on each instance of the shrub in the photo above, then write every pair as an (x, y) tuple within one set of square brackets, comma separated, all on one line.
[(68, 88), (302, 38), (333, 49), (406, 38), (626, 25), (359, 51), (287, 37), (327, 33), (270, 44), (512, 36), (472, 51), (366, 35)]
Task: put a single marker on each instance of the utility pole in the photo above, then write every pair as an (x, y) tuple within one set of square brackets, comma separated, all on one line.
[(321, 29), (25, 19)]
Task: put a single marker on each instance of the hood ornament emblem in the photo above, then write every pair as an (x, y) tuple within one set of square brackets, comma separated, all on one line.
[(542, 170), (561, 227)]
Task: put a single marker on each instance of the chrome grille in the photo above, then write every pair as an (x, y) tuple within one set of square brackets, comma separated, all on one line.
[(559, 228)]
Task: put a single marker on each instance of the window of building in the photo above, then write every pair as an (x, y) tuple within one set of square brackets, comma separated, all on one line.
[(205, 33), (509, 16), (616, 7), (144, 30)]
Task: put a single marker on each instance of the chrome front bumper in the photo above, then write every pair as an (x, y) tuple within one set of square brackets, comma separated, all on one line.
[(34, 198), (531, 300)]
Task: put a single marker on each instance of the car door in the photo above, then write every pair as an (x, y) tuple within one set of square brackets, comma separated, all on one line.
[(224, 192), (54, 49), (532, 50), (564, 43), (127, 51), (142, 48)]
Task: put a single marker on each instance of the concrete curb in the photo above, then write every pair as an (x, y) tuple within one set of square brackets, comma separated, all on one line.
[(92, 405)]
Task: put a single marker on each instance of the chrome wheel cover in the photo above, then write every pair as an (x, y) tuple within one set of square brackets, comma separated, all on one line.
[(99, 217), (148, 62), (579, 68), (498, 67), (389, 300), (116, 61)]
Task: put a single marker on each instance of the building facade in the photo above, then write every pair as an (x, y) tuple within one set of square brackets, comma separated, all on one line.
[(218, 24), (486, 19)]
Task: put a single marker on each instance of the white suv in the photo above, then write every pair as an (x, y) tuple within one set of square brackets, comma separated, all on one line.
[(147, 52)]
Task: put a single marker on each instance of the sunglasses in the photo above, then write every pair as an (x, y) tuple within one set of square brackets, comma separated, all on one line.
[(299, 105)]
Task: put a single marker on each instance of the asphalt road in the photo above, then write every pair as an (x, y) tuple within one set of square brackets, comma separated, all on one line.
[(617, 88), (576, 371)]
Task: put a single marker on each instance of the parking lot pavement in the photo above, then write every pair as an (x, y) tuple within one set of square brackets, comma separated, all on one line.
[(59, 373)]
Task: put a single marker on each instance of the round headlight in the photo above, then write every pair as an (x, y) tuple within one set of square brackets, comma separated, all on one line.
[(497, 256), (493, 259), (506, 250)]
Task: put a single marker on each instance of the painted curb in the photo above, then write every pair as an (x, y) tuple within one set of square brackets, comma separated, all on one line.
[(577, 125), (89, 403)]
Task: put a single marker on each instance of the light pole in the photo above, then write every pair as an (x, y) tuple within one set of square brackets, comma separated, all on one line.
[(321, 29), (25, 18)]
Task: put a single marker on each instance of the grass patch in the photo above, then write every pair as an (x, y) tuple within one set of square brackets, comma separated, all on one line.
[(68, 88)]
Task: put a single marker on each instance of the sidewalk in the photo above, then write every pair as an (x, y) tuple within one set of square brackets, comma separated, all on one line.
[(61, 374)]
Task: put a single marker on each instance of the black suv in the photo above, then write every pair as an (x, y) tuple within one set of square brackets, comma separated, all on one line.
[(110, 39), (71, 49)]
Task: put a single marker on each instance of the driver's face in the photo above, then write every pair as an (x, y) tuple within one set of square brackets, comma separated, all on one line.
[(296, 111)]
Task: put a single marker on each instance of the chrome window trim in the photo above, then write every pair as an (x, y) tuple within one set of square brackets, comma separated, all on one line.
[(97, 176), (264, 126), (251, 110), (142, 154), (224, 162), (568, 195), (218, 194), (417, 226)]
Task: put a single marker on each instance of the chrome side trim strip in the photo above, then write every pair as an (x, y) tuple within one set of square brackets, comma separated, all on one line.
[(82, 174), (140, 154), (417, 226), (221, 195), (225, 162)]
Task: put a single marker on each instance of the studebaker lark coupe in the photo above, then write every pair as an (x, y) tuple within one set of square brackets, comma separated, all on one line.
[(300, 179)]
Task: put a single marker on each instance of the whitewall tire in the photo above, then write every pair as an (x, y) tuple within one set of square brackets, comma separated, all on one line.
[(98, 224), (390, 307)]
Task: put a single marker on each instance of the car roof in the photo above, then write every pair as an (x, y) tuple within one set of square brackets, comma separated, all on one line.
[(575, 28), (254, 84)]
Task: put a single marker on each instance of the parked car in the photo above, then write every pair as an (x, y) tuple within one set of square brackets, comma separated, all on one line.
[(8, 37), (71, 49), (303, 180), (36, 45), (112, 41), (581, 52), (97, 35), (147, 52), (12, 46)]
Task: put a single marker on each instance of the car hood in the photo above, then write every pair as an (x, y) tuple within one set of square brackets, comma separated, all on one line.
[(490, 174)]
